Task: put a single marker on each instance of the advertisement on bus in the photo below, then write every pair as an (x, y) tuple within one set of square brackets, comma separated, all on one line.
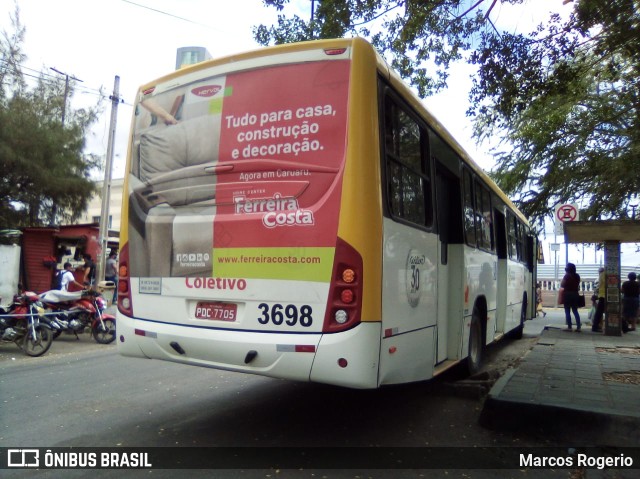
[(239, 176)]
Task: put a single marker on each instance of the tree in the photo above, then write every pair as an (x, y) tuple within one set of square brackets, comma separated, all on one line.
[(563, 99), (46, 175), (567, 101), (421, 38)]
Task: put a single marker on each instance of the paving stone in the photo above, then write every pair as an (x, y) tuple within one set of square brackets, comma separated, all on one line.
[(566, 379)]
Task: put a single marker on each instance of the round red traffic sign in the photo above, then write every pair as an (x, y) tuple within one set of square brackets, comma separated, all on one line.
[(566, 213)]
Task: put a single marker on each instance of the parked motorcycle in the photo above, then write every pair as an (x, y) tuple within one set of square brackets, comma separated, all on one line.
[(75, 312), (25, 324)]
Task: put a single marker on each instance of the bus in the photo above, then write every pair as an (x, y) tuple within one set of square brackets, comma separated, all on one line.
[(296, 212)]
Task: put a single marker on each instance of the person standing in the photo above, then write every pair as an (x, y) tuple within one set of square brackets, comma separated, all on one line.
[(571, 285), (89, 270), (539, 300), (596, 325), (630, 300), (111, 273), (68, 278)]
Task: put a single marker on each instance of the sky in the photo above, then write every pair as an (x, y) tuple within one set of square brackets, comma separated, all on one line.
[(95, 40)]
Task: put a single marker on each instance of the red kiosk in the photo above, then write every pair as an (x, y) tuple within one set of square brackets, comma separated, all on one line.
[(46, 249)]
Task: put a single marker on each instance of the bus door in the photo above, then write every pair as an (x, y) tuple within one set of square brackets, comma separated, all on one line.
[(501, 250), (449, 219), (534, 257), (410, 245)]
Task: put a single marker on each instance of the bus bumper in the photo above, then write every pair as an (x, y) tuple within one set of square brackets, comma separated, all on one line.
[(346, 359)]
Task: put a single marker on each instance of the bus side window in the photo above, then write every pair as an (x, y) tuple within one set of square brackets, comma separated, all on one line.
[(512, 235), (469, 210), (407, 167), (448, 186), (484, 220), (501, 232), (522, 243)]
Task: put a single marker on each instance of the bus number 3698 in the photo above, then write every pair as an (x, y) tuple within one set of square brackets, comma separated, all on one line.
[(289, 314)]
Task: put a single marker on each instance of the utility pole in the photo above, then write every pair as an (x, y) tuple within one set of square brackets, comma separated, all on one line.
[(54, 209), (106, 187), (313, 14), (66, 90)]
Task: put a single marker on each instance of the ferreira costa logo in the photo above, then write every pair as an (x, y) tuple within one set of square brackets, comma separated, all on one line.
[(277, 211)]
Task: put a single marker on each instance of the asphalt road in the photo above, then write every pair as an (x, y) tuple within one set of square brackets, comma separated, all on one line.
[(84, 394)]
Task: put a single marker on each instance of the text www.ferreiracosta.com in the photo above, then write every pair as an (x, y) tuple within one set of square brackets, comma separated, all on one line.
[(267, 259)]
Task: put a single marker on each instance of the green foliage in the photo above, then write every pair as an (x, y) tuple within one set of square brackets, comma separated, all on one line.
[(568, 98), (564, 100), (420, 38), (11, 56), (45, 174)]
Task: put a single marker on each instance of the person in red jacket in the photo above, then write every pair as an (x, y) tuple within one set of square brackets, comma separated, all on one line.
[(571, 285)]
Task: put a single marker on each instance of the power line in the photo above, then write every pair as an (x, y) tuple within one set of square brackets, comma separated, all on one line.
[(43, 76), (170, 15)]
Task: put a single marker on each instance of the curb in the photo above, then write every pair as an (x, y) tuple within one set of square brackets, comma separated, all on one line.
[(557, 416), (561, 423)]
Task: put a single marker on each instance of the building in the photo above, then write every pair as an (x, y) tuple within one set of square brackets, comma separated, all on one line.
[(94, 209), (186, 56)]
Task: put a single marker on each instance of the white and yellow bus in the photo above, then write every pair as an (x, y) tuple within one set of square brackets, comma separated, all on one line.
[(296, 212)]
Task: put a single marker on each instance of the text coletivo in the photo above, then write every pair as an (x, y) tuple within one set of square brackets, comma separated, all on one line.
[(216, 283)]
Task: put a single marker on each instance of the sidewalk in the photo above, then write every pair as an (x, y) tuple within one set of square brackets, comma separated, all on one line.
[(583, 387)]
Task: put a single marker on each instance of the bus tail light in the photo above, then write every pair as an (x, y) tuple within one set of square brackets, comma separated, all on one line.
[(124, 285), (346, 296), (348, 276), (345, 292), (341, 316)]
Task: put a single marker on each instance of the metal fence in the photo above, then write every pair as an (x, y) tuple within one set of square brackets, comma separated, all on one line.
[(588, 276)]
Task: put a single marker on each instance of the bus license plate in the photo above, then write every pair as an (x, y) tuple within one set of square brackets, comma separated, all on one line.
[(216, 311)]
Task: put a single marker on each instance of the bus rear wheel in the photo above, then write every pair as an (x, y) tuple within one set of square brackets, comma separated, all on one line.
[(476, 346), (517, 332)]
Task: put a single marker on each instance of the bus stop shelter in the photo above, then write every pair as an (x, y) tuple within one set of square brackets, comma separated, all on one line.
[(611, 233)]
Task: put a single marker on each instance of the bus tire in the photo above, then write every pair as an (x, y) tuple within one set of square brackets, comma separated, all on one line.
[(517, 332), (476, 346)]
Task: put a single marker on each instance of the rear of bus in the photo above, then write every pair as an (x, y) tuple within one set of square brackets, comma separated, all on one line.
[(252, 200)]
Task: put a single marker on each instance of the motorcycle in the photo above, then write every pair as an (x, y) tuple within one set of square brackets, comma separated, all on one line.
[(75, 312), (25, 324)]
